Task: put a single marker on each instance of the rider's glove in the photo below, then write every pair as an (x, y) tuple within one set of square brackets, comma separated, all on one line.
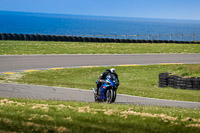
[(101, 80)]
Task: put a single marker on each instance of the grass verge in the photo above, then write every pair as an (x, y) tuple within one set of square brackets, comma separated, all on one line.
[(19, 115), (41, 47), (134, 80)]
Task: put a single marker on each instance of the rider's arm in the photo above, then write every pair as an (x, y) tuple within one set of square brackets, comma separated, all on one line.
[(102, 77), (117, 77)]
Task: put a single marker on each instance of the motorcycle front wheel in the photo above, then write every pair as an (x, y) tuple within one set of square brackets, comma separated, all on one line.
[(114, 96), (109, 96)]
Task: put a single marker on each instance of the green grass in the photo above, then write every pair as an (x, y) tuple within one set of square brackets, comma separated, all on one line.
[(19, 115), (134, 80), (39, 47)]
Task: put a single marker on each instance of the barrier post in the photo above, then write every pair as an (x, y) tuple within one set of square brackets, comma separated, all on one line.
[(181, 37), (159, 37), (193, 39), (170, 37), (148, 37)]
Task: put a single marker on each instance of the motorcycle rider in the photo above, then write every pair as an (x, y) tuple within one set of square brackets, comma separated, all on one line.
[(102, 77)]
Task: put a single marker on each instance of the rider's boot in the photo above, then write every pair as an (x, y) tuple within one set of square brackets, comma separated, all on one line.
[(94, 91), (97, 91)]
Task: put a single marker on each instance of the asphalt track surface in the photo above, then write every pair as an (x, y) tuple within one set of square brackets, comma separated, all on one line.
[(12, 63), (16, 63)]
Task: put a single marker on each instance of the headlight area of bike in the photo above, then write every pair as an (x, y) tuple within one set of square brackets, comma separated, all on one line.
[(112, 83), (108, 81)]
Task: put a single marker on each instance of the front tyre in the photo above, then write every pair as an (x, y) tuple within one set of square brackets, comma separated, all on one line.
[(109, 96), (114, 96), (95, 95)]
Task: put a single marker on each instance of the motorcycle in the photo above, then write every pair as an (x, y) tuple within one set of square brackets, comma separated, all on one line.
[(108, 90)]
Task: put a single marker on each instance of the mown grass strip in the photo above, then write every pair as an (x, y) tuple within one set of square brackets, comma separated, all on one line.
[(19, 115), (134, 80), (42, 47)]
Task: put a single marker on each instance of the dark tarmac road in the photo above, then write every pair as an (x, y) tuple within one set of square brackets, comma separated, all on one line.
[(70, 94), (22, 62)]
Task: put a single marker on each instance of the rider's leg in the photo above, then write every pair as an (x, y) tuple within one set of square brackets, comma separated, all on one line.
[(98, 86)]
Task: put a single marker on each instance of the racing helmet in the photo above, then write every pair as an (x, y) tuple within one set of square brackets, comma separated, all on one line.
[(113, 70)]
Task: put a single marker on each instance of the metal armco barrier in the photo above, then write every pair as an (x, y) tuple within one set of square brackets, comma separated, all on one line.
[(65, 38), (174, 81)]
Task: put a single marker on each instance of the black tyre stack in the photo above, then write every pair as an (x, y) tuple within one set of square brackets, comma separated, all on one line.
[(189, 83), (174, 81), (183, 83), (171, 80), (20, 36), (163, 79), (196, 83), (4, 36), (179, 82), (38, 37), (86, 39), (43, 38)]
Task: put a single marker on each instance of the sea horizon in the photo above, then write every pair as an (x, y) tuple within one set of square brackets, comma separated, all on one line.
[(70, 24)]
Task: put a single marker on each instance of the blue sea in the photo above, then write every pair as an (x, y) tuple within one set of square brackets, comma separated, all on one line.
[(61, 24)]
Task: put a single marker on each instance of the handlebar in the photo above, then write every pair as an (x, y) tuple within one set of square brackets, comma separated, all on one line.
[(101, 80)]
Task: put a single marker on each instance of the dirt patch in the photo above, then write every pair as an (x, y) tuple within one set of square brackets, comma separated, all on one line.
[(44, 107), (2, 131), (8, 102), (110, 112), (162, 116), (94, 111), (68, 118), (33, 116), (4, 101), (61, 129), (193, 125), (7, 121), (32, 124), (37, 127), (84, 109), (70, 107), (191, 119), (62, 106), (99, 110)]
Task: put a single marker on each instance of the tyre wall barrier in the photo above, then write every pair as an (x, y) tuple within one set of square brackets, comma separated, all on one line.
[(4, 36), (96, 39), (20, 36), (37, 37), (174, 81), (43, 38)]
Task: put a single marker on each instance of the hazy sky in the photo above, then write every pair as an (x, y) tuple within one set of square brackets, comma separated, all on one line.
[(171, 9)]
